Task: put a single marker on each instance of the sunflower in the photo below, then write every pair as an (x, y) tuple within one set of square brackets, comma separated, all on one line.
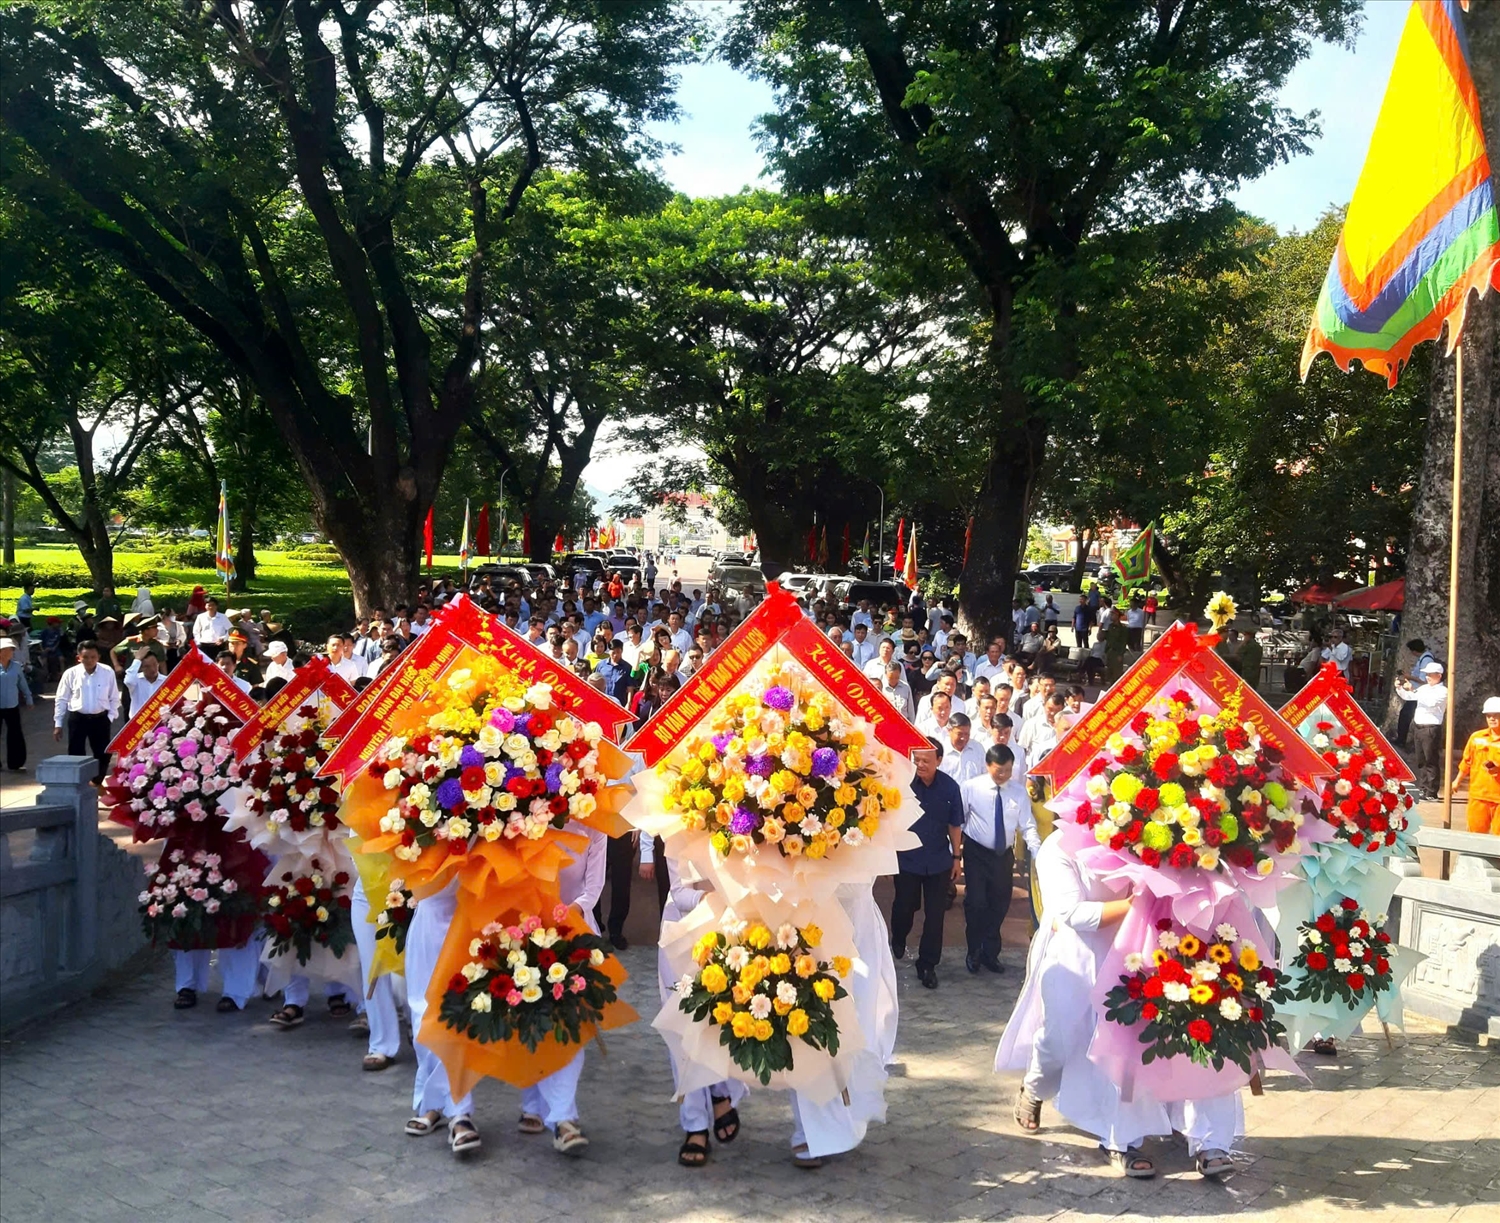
[(1220, 954), (1202, 994)]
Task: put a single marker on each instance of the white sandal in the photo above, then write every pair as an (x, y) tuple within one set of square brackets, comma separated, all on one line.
[(569, 1138), (462, 1134), (424, 1123)]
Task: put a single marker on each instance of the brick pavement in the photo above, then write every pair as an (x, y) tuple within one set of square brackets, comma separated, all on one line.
[(125, 1110)]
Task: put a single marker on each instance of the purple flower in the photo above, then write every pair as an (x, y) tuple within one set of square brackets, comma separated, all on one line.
[(450, 793), (721, 742), (187, 748), (523, 724), (471, 757), (779, 698), (513, 771), (825, 762), (743, 822), (759, 766), (554, 777), (503, 720)]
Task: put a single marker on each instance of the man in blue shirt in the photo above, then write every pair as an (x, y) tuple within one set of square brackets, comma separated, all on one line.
[(993, 813), (14, 692), (616, 673), (926, 872)]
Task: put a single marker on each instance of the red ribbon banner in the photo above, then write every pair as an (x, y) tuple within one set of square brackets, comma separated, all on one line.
[(193, 668), (1330, 689), (777, 614), (310, 679), (851, 687)]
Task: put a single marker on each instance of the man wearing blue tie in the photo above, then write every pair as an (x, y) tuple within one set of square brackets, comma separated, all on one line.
[(993, 813)]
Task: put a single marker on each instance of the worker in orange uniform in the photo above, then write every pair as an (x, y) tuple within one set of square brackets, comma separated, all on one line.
[(1481, 764)]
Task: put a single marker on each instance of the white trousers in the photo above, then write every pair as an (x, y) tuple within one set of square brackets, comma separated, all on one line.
[(298, 989), (192, 969), (1215, 1124), (380, 1006), (555, 1098), (696, 1113), (240, 968), (424, 943)]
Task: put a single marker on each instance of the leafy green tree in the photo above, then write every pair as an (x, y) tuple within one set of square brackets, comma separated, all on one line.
[(787, 356), (1015, 142), (282, 175)]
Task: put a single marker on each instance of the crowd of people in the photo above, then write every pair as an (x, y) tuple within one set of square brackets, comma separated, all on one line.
[(988, 715)]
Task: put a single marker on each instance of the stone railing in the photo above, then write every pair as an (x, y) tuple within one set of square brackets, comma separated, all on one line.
[(1455, 922), (67, 895)]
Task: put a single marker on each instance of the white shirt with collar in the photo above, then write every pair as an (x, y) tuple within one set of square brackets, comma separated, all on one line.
[(963, 765), (900, 697), (1431, 701), (350, 669), (81, 692), (1340, 655), (140, 688), (985, 669), (863, 617), (211, 629), (864, 651), (280, 670), (682, 641), (979, 795)]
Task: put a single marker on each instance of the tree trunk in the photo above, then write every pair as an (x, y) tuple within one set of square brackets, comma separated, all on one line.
[(7, 517), (244, 550), (97, 547), (1477, 671), (1084, 543), (380, 546), (1001, 513)]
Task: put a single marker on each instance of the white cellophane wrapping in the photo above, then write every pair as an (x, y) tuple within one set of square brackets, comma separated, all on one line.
[(699, 1057)]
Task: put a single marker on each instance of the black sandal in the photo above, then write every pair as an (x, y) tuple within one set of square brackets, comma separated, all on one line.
[(338, 1006), (185, 999), (1324, 1045), (226, 1004), (693, 1154), (726, 1125), (289, 1016)]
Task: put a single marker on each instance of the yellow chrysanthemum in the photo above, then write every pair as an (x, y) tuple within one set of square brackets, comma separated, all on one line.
[(1249, 958), (1201, 994)]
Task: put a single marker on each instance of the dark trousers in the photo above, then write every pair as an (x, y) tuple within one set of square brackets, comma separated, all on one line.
[(15, 741), (88, 735), (663, 882), (930, 892), (619, 869), (988, 879), (1081, 635), (1429, 756), (1403, 721)]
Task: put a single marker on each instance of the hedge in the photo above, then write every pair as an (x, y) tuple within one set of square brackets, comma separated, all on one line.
[(187, 555), (315, 554), (75, 575)]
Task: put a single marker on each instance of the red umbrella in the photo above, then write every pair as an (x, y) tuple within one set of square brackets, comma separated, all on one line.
[(1324, 592), (1388, 596)]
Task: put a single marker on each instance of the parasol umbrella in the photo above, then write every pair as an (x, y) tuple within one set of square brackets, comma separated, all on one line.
[(1324, 592), (1388, 596)]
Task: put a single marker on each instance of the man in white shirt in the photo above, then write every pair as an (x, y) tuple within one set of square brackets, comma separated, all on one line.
[(682, 640), (227, 663), (863, 616), (1431, 701), (1033, 724), (210, 627), (864, 648), (992, 817), (885, 656), (1341, 654), (897, 691), (87, 701), (143, 679), (419, 622), (935, 712), (964, 758), (947, 684), (277, 664), (342, 664)]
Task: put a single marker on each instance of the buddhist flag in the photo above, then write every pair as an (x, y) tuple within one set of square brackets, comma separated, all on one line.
[(909, 574), (1134, 564), (223, 553), (427, 538), (865, 551), (482, 535), (968, 539), (463, 543), (899, 563), (1422, 230)]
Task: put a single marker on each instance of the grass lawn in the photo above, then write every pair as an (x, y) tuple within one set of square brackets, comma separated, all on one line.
[(314, 598)]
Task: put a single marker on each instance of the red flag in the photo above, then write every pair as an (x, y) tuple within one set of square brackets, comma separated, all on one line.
[(844, 558), (427, 537), (823, 546), (899, 565), (482, 536), (968, 539), (560, 544), (526, 534), (812, 543)]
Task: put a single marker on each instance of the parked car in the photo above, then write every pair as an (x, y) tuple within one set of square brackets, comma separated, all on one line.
[(540, 573), (501, 575), (737, 580), (800, 583), (848, 592), (587, 561)]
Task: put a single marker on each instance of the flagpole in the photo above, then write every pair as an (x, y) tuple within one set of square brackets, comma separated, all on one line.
[(1458, 484)]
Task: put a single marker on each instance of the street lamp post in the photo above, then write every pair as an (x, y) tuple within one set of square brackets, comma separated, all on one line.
[(503, 474), (880, 553)]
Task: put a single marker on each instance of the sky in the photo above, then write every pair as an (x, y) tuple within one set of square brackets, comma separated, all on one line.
[(717, 152)]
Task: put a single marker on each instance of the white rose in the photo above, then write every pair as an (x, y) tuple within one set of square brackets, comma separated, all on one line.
[(481, 1002), (392, 778), (556, 973)]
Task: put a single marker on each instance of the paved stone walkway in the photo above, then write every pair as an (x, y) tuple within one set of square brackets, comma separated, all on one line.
[(125, 1110)]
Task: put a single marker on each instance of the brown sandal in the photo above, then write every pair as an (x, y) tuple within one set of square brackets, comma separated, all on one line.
[(1028, 1112), (375, 1061)]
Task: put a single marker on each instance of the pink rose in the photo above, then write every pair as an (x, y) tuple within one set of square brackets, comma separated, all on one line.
[(557, 990), (513, 998)]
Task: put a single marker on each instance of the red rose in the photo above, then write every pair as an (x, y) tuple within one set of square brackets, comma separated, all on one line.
[(1356, 981), (1317, 961), (1153, 987), (1181, 856), (1165, 766), (1382, 937), (1140, 722), (457, 983), (1097, 766), (1348, 905), (1382, 965), (1148, 799), (1130, 755), (1151, 857), (1133, 833), (1256, 1014), (1201, 1030), (579, 957), (1212, 836), (1149, 1011)]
